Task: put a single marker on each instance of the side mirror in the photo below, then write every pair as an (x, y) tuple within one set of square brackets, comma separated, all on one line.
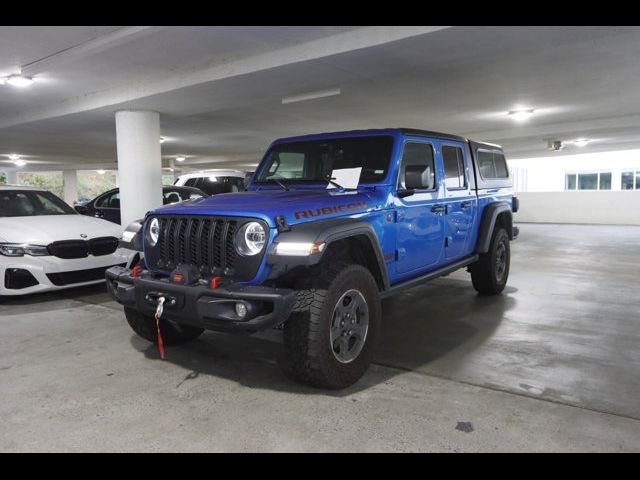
[(82, 209), (419, 177)]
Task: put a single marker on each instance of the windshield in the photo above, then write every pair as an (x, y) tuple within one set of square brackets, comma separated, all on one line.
[(27, 203), (313, 161)]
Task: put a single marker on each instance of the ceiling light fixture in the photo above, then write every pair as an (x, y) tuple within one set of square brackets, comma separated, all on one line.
[(14, 156), (162, 139), (581, 142), (19, 163), (180, 159), (18, 80), (521, 115), (311, 95)]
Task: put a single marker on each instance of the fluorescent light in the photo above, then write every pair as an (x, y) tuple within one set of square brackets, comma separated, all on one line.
[(19, 163), (101, 172), (581, 142), (19, 80), (162, 139), (311, 96), (521, 115), (180, 159), (13, 157)]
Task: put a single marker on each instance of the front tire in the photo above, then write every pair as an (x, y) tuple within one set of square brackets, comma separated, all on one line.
[(489, 274), (330, 336), (172, 334)]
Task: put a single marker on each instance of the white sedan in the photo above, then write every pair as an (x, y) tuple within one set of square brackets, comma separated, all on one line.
[(46, 245)]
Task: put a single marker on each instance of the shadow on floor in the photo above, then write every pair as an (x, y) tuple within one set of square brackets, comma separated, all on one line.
[(419, 326), (54, 300)]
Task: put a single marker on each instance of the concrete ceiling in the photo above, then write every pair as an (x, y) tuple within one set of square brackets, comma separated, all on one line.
[(219, 89)]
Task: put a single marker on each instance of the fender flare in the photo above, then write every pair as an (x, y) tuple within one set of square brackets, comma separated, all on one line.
[(489, 219), (327, 231)]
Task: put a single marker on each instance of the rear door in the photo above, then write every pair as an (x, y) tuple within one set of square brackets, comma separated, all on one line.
[(460, 201)]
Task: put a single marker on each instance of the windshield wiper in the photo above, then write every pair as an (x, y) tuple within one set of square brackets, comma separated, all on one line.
[(332, 182), (284, 187)]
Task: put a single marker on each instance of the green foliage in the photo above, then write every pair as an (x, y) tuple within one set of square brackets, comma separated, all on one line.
[(3, 177), (91, 184), (51, 181)]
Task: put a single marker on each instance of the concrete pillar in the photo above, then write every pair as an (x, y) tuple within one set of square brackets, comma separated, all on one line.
[(11, 176), (139, 163), (70, 182)]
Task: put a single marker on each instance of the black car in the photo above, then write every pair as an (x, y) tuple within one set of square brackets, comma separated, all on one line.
[(107, 205)]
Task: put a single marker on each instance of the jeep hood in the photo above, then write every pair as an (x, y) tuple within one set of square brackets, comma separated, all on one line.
[(296, 205)]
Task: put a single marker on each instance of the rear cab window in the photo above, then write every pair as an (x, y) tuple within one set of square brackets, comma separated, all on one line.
[(492, 165)]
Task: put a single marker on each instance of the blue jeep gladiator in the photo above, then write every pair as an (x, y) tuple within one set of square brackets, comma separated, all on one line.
[(301, 251)]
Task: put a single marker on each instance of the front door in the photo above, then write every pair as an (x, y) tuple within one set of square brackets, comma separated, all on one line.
[(420, 216)]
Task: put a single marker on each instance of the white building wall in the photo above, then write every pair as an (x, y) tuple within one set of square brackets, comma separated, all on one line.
[(547, 174)]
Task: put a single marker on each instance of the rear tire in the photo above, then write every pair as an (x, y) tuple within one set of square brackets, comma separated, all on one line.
[(330, 336), (172, 334), (490, 273)]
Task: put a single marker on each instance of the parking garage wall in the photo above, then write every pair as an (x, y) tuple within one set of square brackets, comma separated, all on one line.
[(587, 207)]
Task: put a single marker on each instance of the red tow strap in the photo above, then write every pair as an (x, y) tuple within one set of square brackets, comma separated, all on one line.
[(160, 341)]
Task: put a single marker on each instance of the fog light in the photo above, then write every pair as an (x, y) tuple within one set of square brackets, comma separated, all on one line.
[(241, 309)]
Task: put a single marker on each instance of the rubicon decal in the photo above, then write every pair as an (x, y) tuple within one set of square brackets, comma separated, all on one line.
[(329, 210)]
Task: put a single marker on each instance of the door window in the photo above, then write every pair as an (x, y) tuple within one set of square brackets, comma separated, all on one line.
[(417, 154), (453, 159)]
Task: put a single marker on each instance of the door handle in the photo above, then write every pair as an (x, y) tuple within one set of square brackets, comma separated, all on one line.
[(466, 204), (437, 209), (99, 214)]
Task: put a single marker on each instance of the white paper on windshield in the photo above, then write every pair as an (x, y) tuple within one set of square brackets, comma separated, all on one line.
[(346, 177)]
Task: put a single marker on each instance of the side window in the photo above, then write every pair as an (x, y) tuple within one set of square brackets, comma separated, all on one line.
[(111, 200), (418, 154), (453, 160), (191, 182), (501, 165), (492, 164), (485, 164)]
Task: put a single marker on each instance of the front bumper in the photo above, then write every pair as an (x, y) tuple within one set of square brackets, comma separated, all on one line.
[(200, 306), (53, 273)]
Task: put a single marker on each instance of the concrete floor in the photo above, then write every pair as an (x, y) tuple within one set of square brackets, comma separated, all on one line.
[(551, 365)]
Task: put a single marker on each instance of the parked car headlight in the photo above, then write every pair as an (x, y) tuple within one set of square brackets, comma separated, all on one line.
[(20, 250), (154, 232), (250, 239)]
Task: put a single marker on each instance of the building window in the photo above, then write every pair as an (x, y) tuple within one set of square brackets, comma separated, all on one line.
[(588, 181), (630, 180)]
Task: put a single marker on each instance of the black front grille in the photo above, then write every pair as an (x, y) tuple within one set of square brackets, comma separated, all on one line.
[(206, 242), (68, 249), (79, 276), (102, 246)]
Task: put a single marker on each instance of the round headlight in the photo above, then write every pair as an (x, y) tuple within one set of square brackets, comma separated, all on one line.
[(250, 239), (154, 232)]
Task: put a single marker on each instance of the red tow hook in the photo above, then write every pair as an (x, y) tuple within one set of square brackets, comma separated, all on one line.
[(213, 284), (136, 271)]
